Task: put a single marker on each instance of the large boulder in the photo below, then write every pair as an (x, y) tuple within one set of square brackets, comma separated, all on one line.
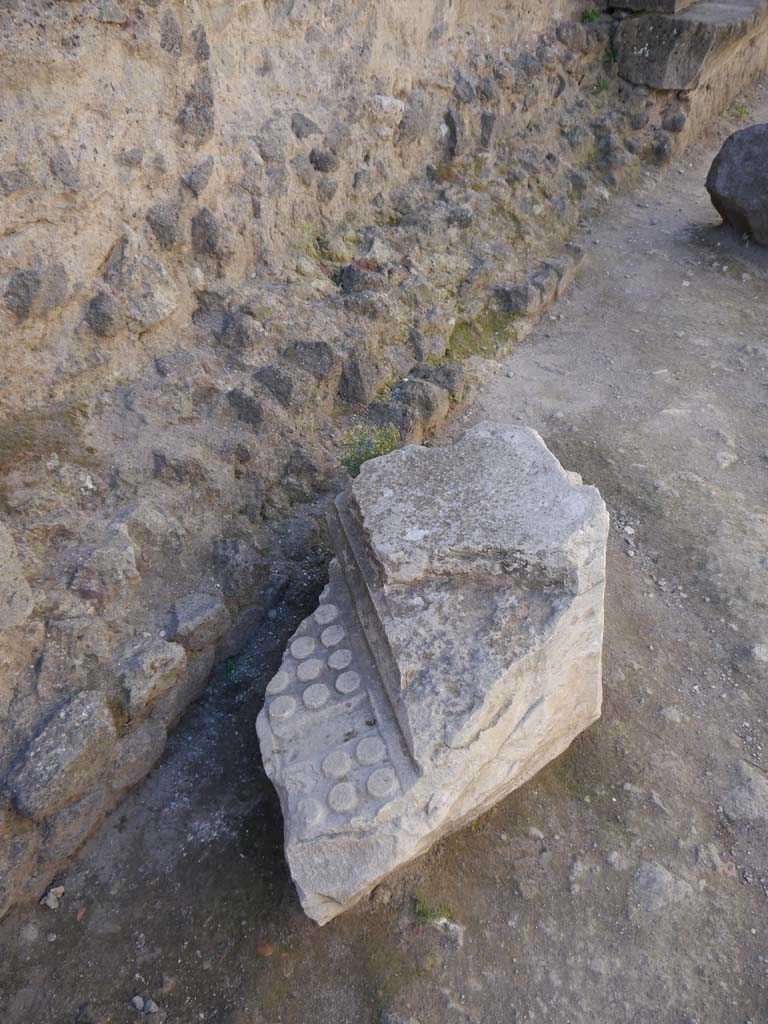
[(455, 651), (738, 182)]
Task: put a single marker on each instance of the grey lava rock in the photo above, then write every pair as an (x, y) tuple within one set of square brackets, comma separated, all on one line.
[(165, 221), (36, 291), (738, 182), (302, 127), (196, 117), (316, 357), (323, 160), (62, 168), (277, 382), (463, 89), (198, 178), (101, 315), (73, 751), (246, 407), (674, 120), (206, 234)]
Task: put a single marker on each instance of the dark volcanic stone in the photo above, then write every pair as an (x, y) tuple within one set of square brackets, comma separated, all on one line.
[(316, 357), (455, 125), (206, 234), (165, 221), (63, 169), (201, 44), (197, 115), (662, 147), (36, 291), (277, 382), (357, 279), (463, 89), (171, 39), (415, 119), (674, 121), (14, 180), (302, 127), (487, 122), (360, 378), (199, 176), (323, 160), (101, 315), (246, 407), (738, 182)]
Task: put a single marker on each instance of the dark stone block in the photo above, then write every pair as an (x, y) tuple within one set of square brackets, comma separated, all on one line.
[(206, 234), (101, 315), (36, 291), (198, 178), (171, 39), (738, 182), (165, 221), (63, 169), (246, 407), (277, 382), (360, 379), (316, 357), (463, 89), (302, 127), (197, 117), (323, 160)]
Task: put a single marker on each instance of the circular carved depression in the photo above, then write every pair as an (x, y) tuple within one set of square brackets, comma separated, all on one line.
[(337, 764), (370, 750), (302, 647), (342, 797), (326, 613), (281, 708), (309, 670), (348, 682), (382, 782), (340, 659), (315, 696), (331, 636)]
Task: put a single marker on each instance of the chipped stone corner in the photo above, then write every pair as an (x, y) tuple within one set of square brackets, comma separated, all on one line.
[(455, 651)]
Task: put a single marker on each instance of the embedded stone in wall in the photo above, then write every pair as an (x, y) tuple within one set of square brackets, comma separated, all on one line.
[(72, 753), (455, 651)]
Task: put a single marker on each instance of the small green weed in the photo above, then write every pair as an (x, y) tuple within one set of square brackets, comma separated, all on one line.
[(611, 56), (425, 913), (360, 446), (601, 84), (591, 15), (743, 111)]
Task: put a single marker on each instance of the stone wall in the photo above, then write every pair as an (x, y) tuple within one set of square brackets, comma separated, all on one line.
[(229, 232)]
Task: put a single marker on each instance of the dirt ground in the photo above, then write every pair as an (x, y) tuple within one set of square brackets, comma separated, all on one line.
[(628, 881)]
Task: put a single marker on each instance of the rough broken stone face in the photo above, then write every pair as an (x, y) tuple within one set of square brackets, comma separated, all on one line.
[(15, 593), (455, 651), (200, 619), (72, 753), (738, 182), (149, 672)]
